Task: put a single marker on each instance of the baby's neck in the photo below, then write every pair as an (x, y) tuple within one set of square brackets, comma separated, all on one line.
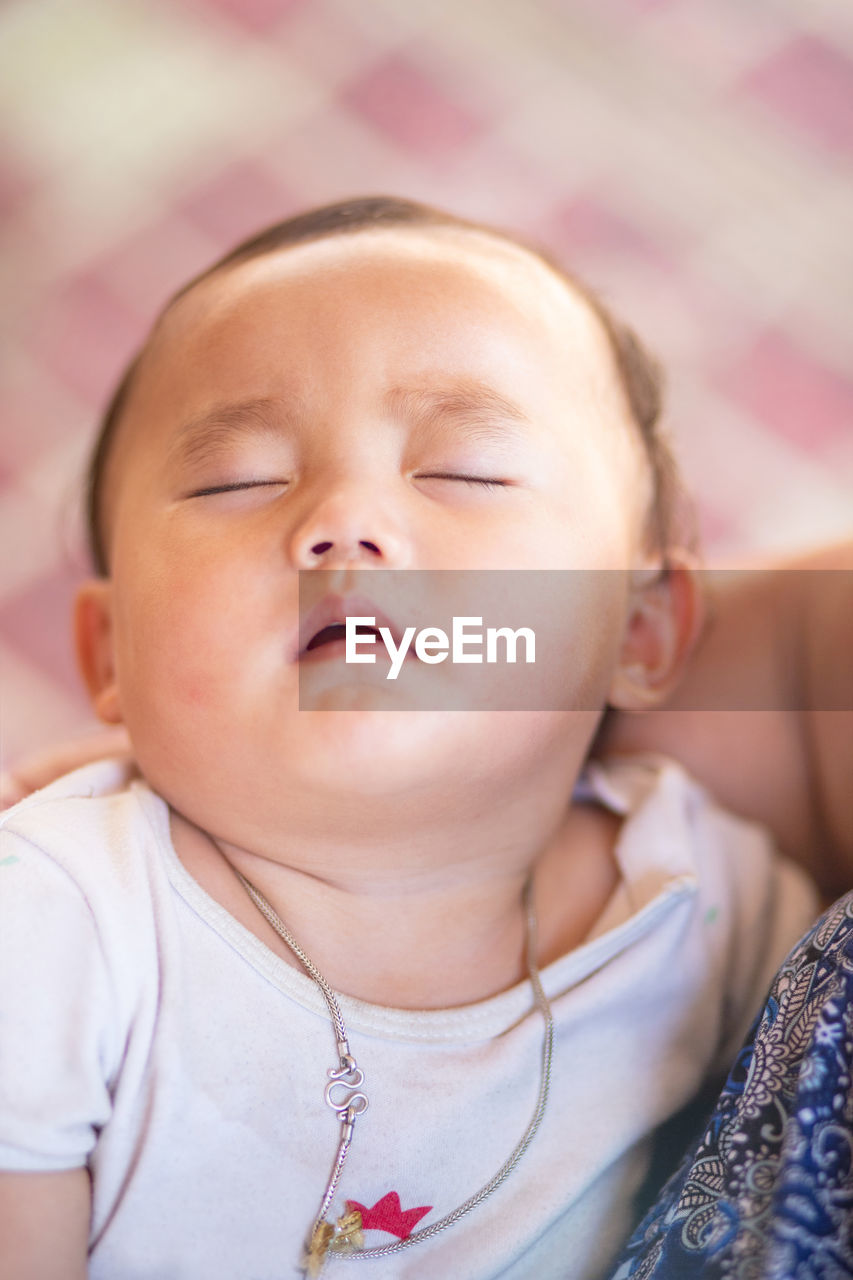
[(421, 936)]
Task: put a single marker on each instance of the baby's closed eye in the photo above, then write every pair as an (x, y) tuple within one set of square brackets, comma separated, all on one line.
[(489, 482), (233, 485)]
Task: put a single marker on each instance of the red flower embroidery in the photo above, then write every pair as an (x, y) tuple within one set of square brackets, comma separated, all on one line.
[(386, 1215)]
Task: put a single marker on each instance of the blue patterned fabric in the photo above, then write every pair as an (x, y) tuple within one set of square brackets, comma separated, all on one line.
[(767, 1193)]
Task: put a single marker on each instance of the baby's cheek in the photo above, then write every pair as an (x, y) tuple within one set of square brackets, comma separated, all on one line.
[(163, 639), (204, 633)]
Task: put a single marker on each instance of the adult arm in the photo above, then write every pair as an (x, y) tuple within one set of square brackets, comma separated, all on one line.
[(781, 641), (44, 1225), (42, 768)]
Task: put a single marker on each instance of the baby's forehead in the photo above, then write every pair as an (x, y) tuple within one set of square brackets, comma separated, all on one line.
[(281, 316), (239, 334), (482, 266), (482, 288)]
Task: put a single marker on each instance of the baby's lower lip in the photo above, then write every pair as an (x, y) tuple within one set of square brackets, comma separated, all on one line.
[(335, 650)]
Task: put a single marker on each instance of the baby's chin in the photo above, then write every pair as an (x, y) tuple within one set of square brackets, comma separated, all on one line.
[(422, 767), (365, 765), (353, 744)]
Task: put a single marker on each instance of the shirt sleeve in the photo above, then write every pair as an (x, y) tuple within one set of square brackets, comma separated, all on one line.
[(55, 1014)]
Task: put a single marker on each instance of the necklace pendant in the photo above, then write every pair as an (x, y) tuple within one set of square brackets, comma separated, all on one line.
[(346, 1236), (318, 1247), (348, 1233)]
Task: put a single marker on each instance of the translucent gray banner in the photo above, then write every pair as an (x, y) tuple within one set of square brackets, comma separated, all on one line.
[(559, 640)]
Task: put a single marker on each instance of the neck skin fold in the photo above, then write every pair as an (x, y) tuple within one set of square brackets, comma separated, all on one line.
[(425, 912)]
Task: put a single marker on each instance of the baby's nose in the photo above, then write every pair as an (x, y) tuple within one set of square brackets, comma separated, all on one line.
[(350, 527)]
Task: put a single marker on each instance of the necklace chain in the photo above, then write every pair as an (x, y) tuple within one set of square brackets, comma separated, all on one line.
[(348, 1077)]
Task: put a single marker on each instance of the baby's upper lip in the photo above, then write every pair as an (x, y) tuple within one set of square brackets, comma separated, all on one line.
[(335, 608)]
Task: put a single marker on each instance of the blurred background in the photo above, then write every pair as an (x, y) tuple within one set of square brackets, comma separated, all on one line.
[(691, 159)]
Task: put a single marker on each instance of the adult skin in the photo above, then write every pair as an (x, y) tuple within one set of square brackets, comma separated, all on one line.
[(789, 635)]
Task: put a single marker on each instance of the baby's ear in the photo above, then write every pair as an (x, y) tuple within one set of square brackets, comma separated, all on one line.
[(665, 617), (93, 636)]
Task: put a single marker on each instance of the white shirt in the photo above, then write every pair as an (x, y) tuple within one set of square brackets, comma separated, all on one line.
[(146, 1033)]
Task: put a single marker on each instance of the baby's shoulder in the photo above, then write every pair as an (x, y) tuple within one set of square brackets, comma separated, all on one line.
[(94, 836), (674, 830), (665, 808), (84, 912)]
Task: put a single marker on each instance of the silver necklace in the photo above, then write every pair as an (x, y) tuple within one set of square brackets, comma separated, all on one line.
[(344, 1095)]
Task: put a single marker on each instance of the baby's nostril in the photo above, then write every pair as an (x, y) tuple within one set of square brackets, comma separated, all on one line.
[(320, 548)]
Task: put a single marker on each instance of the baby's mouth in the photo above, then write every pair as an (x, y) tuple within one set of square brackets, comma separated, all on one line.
[(323, 630), (334, 633)]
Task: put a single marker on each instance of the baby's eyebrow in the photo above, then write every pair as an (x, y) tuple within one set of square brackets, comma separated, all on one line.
[(468, 405), (205, 436)]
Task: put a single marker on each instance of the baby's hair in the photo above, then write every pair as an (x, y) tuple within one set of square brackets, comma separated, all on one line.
[(639, 374)]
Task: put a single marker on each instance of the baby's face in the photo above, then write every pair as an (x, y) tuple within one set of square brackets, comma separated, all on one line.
[(350, 404)]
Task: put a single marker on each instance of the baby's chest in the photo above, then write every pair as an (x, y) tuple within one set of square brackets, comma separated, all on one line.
[(219, 1150)]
